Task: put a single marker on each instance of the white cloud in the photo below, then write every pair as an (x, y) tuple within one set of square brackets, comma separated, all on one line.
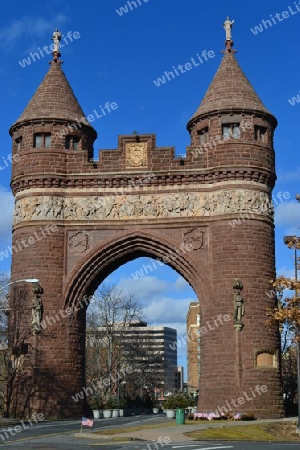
[(286, 272), (28, 27), (287, 214), (181, 283), (167, 310), (7, 207), (146, 287), (287, 176), (149, 287)]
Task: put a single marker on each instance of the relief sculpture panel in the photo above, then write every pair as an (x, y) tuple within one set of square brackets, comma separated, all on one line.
[(167, 205)]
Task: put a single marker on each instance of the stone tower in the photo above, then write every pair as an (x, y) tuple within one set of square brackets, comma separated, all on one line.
[(51, 138), (209, 216), (232, 138)]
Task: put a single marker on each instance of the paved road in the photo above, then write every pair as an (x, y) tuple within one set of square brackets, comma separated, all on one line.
[(208, 446), (25, 436), (67, 442), (61, 436)]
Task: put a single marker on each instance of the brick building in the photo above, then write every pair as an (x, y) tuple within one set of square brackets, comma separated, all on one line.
[(209, 216), (193, 346)]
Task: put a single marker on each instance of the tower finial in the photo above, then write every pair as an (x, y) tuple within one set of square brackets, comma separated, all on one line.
[(227, 25), (56, 37)]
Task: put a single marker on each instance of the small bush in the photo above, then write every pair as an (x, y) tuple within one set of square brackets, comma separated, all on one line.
[(176, 401)]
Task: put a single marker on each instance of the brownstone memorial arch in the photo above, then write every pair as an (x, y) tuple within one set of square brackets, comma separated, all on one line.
[(208, 215)]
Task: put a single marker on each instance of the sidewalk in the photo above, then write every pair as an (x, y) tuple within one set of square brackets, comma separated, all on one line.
[(175, 433)]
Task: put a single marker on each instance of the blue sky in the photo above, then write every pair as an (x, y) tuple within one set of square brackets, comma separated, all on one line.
[(116, 57)]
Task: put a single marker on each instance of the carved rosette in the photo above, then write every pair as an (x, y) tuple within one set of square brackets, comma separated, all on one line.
[(136, 154), (245, 204)]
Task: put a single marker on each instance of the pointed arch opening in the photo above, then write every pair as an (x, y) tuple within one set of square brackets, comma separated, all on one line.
[(103, 260)]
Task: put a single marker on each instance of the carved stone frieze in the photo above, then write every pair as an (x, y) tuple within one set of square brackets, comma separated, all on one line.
[(164, 205)]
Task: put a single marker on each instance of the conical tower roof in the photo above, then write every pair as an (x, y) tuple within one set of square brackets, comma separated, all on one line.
[(54, 98), (230, 90)]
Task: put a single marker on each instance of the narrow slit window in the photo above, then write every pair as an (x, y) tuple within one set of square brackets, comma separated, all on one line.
[(236, 131), (48, 140), (231, 131), (203, 135), (68, 142), (226, 132), (19, 143), (76, 140), (42, 140), (260, 134), (38, 140), (72, 142)]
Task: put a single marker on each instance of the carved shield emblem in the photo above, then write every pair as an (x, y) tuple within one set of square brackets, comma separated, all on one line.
[(79, 242), (136, 154), (196, 237)]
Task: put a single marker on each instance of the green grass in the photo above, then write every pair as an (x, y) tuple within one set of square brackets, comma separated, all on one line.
[(122, 430), (255, 432)]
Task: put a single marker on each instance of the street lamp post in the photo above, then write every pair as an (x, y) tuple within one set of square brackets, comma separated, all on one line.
[(294, 242), (124, 388), (26, 280)]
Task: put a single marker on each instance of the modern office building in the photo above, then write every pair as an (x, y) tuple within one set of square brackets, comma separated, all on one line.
[(151, 351)]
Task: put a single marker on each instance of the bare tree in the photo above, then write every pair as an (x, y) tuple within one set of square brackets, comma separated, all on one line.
[(108, 317), (289, 368), (4, 280), (14, 334), (4, 290)]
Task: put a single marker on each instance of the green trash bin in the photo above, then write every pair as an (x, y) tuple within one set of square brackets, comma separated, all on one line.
[(180, 416)]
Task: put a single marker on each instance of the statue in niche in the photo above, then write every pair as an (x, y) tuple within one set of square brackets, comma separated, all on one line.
[(37, 310), (238, 302)]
